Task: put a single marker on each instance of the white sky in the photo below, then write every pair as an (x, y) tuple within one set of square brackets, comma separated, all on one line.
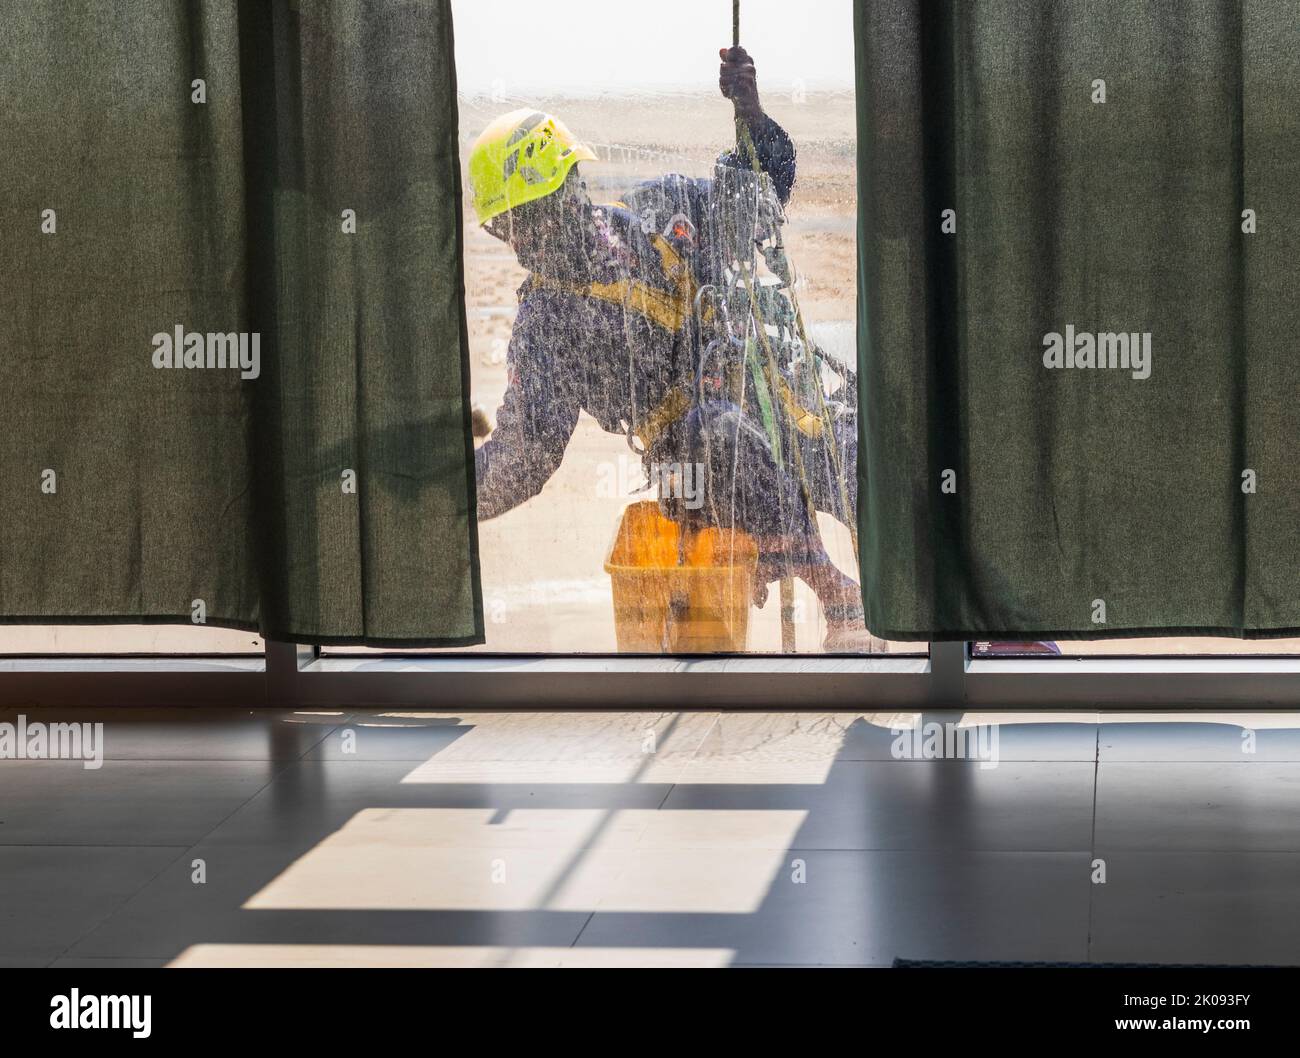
[(591, 47)]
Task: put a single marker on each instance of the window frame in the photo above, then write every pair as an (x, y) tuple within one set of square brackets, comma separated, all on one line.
[(299, 677)]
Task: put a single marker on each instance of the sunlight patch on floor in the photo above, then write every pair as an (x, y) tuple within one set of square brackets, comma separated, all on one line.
[(481, 859)]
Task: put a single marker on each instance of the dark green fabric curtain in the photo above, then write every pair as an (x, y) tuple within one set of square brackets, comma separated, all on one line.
[(307, 192), (1002, 494)]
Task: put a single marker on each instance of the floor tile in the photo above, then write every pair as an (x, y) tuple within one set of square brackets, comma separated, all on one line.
[(1228, 737), (51, 896), (804, 737), (618, 747), (60, 802), (414, 956), (198, 732), (650, 769), (310, 800), (1168, 807), (388, 877), (385, 736), (1016, 806), (1222, 908), (868, 908)]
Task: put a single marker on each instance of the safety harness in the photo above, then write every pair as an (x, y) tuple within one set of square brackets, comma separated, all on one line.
[(672, 310)]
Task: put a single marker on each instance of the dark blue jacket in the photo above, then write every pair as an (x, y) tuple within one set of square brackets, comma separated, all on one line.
[(570, 353)]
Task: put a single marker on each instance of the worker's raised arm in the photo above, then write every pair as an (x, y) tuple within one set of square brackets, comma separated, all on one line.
[(534, 424), (773, 148)]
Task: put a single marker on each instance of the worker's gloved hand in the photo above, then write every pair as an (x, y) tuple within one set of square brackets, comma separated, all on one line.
[(739, 82)]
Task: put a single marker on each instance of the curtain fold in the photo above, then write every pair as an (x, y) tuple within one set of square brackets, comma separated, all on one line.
[(1078, 317), (189, 184)]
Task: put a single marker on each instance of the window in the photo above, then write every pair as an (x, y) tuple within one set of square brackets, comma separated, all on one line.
[(668, 452)]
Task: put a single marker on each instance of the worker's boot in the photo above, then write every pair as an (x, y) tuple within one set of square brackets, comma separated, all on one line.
[(852, 639), (846, 632)]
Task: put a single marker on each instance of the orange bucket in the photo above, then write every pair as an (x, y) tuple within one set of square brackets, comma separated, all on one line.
[(699, 605)]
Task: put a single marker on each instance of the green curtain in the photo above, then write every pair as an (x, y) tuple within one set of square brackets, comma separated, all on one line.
[(179, 174), (1006, 487)]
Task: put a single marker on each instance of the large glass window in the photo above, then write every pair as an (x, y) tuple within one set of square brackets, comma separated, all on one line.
[(661, 312)]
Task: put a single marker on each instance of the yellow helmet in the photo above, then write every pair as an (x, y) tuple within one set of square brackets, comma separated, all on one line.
[(522, 156)]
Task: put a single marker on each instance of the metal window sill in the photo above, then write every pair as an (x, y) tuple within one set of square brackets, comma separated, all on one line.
[(578, 665)]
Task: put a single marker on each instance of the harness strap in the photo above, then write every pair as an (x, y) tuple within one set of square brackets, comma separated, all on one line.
[(668, 309), (676, 403)]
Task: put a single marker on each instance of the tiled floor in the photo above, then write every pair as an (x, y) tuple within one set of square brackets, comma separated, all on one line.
[(229, 837)]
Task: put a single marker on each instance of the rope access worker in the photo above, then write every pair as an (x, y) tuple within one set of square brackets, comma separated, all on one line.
[(607, 324)]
